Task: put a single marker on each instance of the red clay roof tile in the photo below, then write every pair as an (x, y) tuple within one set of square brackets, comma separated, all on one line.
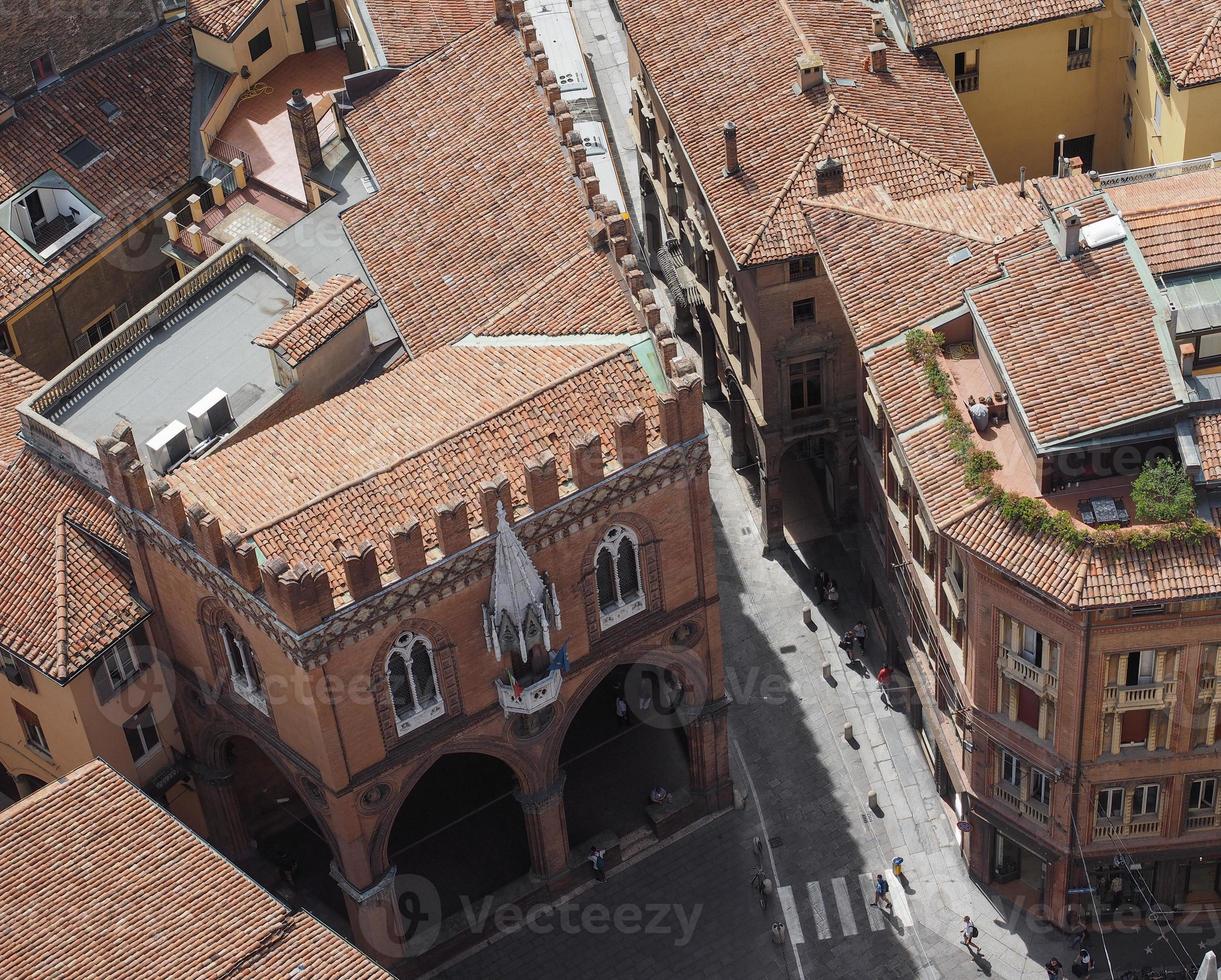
[(941, 21), (317, 318)]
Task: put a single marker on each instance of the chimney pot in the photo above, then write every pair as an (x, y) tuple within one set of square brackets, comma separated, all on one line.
[(877, 57), (809, 73), (1187, 357), (731, 149)]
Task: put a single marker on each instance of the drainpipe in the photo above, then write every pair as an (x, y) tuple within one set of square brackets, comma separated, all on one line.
[(1073, 840)]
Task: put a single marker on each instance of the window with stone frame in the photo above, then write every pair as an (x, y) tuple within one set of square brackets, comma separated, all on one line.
[(142, 737), (1202, 794), (244, 673), (411, 675), (31, 727), (805, 386), (617, 574)]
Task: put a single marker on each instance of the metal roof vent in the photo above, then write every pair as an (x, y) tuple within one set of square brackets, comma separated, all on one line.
[(958, 255)]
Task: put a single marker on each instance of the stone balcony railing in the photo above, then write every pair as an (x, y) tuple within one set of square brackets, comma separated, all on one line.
[(533, 698), (1118, 697), (1018, 668), (1011, 796), (1208, 689), (1202, 821), (1137, 827)]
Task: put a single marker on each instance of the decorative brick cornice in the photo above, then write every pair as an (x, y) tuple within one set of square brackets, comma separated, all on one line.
[(409, 596)]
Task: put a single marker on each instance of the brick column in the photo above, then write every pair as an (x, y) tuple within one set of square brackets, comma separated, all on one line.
[(546, 828), (738, 455), (376, 925), (217, 799), (708, 359), (708, 757), (305, 131)]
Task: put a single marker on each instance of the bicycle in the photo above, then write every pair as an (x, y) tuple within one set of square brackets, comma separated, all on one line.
[(762, 885)]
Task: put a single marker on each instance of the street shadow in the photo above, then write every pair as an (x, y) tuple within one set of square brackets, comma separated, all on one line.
[(982, 964)]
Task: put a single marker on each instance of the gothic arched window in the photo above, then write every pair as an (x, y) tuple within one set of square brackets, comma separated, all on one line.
[(243, 669), (617, 570), (411, 671)]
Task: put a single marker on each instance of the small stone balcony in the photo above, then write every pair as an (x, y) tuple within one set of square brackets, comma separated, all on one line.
[(1136, 827), (1156, 696), (1018, 668), (1030, 809), (534, 698)]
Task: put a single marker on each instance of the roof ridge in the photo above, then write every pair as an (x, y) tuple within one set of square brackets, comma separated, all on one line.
[(619, 350), (1083, 574), (538, 287), (860, 212), (820, 130), (792, 19), (278, 337), (1199, 52), (904, 143), (61, 593)]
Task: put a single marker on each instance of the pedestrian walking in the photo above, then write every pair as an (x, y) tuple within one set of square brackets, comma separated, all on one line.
[(859, 631), (1077, 928), (884, 675), (881, 893), (1116, 891), (597, 857), (969, 934), (1054, 969), (821, 579), (621, 711), (832, 593), (1084, 965)]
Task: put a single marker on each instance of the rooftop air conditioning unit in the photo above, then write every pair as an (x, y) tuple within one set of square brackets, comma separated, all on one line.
[(210, 415), (168, 446)]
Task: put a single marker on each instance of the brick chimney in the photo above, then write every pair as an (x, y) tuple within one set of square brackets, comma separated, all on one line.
[(1070, 233), (829, 176), (877, 57), (809, 73), (731, 149), (879, 24), (305, 131), (497, 489)]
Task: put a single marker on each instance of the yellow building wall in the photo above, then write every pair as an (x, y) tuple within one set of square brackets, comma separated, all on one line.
[(1153, 141), (277, 17), (1027, 95), (1203, 121)]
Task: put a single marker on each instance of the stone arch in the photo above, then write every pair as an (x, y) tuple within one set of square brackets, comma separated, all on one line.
[(526, 770)]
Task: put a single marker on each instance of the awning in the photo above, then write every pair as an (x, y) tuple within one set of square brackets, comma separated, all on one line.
[(871, 403), (896, 465)]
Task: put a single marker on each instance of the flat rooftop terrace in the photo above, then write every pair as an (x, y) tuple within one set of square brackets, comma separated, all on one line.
[(207, 345), (148, 373)]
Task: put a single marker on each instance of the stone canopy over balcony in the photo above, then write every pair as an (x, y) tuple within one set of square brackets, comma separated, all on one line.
[(534, 698)]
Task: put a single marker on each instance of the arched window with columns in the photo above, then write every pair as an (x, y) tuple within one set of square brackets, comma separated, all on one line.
[(411, 673), (617, 570), (243, 668)]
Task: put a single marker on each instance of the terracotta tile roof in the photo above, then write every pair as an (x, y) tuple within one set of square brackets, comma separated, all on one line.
[(145, 151), (413, 29), (72, 30), (65, 594), (454, 466), (221, 18), (371, 427), (912, 239), (1208, 441), (1189, 34), (940, 21), (938, 477), (900, 382), (1039, 559), (1077, 339), (1175, 220), (713, 62), (1165, 571), (477, 209), (317, 318), (17, 383), (197, 915)]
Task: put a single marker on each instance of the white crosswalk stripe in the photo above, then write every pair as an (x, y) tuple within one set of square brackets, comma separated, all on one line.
[(903, 912), (792, 921), (821, 924), (843, 905), (872, 914)]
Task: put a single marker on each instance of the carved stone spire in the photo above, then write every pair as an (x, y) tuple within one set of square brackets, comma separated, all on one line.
[(522, 606)]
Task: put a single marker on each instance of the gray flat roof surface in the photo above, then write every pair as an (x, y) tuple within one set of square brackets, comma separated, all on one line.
[(207, 346)]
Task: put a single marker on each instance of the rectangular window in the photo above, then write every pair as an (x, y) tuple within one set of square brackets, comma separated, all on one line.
[(1144, 800), (1040, 787), (141, 732), (1011, 769), (1078, 48), (95, 334), (1157, 113), (1202, 794), (1139, 668), (119, 665), (805, 386), (803, 312), (81, 152), (30, 725), (43, 70), (1110, 803), (260, 44), (805, 267), (1029, 644), (16, 671), (966, 71)]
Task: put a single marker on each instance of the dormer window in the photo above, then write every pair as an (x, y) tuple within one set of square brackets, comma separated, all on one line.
[(411, 670), (617, 569), (243, 669), (48, 215), (43, 70)]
